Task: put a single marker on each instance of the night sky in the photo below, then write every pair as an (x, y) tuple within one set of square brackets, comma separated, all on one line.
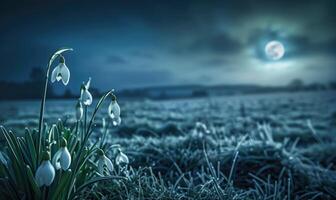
[(124, 44)]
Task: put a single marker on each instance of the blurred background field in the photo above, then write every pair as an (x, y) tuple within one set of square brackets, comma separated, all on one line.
[(287, 113)]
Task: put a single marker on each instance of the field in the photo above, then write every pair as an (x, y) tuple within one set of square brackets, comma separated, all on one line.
[(266, 146)]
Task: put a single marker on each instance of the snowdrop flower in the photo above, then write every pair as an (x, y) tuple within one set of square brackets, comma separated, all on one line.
[(114, 111), (86, 96), (61, 72), (62, 158), (79, 110), (104, 161), (45, 173), (121, 159)]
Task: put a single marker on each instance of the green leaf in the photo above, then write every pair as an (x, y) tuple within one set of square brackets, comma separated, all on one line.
[(31, 148), (94, 180), (62, 187), (36, 189), (25, 151)]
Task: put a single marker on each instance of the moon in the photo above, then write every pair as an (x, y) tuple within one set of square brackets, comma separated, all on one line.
[(274, 50)]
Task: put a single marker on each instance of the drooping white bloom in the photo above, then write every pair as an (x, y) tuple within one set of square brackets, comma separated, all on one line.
[(86, 96), (45, 173), (79, 110), (121, 159), (114, 111), (104, 161), (62, 158), (61, 72)]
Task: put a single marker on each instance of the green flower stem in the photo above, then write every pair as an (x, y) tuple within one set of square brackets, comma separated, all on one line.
[(80, 158), (104, 134), (42, 112), (85, 120)]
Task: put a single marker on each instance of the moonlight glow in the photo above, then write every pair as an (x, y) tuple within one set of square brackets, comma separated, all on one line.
[(274, 50)]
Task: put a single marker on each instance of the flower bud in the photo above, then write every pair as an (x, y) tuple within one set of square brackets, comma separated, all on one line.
[(79, 110), (45, 173)]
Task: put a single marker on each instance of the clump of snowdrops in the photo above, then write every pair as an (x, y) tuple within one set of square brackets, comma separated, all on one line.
[(57, 162)]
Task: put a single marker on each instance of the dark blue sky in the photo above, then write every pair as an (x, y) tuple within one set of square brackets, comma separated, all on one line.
[(124, 44)]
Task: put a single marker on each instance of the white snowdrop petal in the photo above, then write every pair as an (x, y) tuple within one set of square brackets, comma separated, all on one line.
[(49, 173), (59, 72), (38, 177), (54, 74), (56, 159), (65, 73), (65, 159), (116, 109), (87, 86), (101, 163), (86, 98), (45, 174), (108, 163), (110, 110), (116, 121)]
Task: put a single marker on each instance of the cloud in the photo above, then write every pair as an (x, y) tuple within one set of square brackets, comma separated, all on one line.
[(214, 62), (206, 37), (128, 77), (220, 43), (142, 54), (114, 59)]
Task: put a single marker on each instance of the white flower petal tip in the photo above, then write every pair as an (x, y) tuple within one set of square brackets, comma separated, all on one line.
[(45, 174), (116, 121), (87, 85)]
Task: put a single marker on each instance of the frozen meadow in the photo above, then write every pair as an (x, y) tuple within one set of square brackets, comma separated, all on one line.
[(265, 146)]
